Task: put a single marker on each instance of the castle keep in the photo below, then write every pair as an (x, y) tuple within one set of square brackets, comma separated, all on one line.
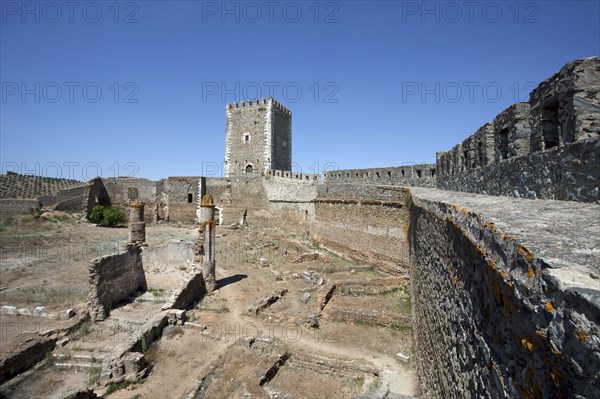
[(258, 137)]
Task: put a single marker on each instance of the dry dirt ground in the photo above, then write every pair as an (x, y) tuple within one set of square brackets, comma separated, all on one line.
[(331, 329)]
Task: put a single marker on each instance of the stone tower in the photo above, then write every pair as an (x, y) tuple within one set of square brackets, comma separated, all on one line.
[(258, 137)]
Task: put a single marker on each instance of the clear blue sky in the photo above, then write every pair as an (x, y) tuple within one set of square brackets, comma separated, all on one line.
[(381, 83)]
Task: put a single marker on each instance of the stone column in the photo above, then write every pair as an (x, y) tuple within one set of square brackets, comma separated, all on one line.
[(207, 226), (137, 226)]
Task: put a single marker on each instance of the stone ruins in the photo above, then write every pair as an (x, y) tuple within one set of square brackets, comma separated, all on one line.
[(499, 241)]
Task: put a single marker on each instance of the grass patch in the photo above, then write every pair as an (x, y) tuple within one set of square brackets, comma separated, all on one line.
[(117, 386), (48, 359), (82, 331), (94, 373), (157, 292), (374, 384), (369, 272), (360, 381)]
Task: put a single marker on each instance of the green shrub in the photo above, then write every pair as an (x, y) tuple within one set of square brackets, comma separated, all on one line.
[(97, 214), (36, 212), (113, 216), (103, 216)]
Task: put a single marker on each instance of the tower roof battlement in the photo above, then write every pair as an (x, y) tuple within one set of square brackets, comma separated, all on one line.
[(257, 102)]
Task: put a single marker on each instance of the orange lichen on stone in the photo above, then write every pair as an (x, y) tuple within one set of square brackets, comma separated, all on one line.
[(581, 335), (554, 349), (525, 253), (480, 250), (527, 343), (530, 272), (540, 333), (549, 307), (554, 377)]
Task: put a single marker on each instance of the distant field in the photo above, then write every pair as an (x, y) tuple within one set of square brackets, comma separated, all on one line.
[(19, 186)]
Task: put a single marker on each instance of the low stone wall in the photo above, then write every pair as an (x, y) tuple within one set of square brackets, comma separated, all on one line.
[(12, 207), (506, 300), (570, 172), (190, 291), (113, 279)]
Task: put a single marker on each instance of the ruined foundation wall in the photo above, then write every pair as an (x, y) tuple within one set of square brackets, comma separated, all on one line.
[(363, 222), (491, 318), (113, 279)]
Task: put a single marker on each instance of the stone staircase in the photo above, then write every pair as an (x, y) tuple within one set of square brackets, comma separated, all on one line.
[(81, 360)]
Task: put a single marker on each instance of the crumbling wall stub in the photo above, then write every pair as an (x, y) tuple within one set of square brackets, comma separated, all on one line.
[(114, 279), (95, 194), (137, 226), (207, 227)]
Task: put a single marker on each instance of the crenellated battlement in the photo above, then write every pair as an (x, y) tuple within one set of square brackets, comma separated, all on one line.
[(257, 103), (509, 154), (421, 175), (297, 176)]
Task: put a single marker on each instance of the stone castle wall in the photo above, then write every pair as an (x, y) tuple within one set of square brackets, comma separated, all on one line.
[(546, 148), (504, 304)]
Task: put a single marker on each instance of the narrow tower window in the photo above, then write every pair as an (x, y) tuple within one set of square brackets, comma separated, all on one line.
[(551, 125), (503, 143)]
